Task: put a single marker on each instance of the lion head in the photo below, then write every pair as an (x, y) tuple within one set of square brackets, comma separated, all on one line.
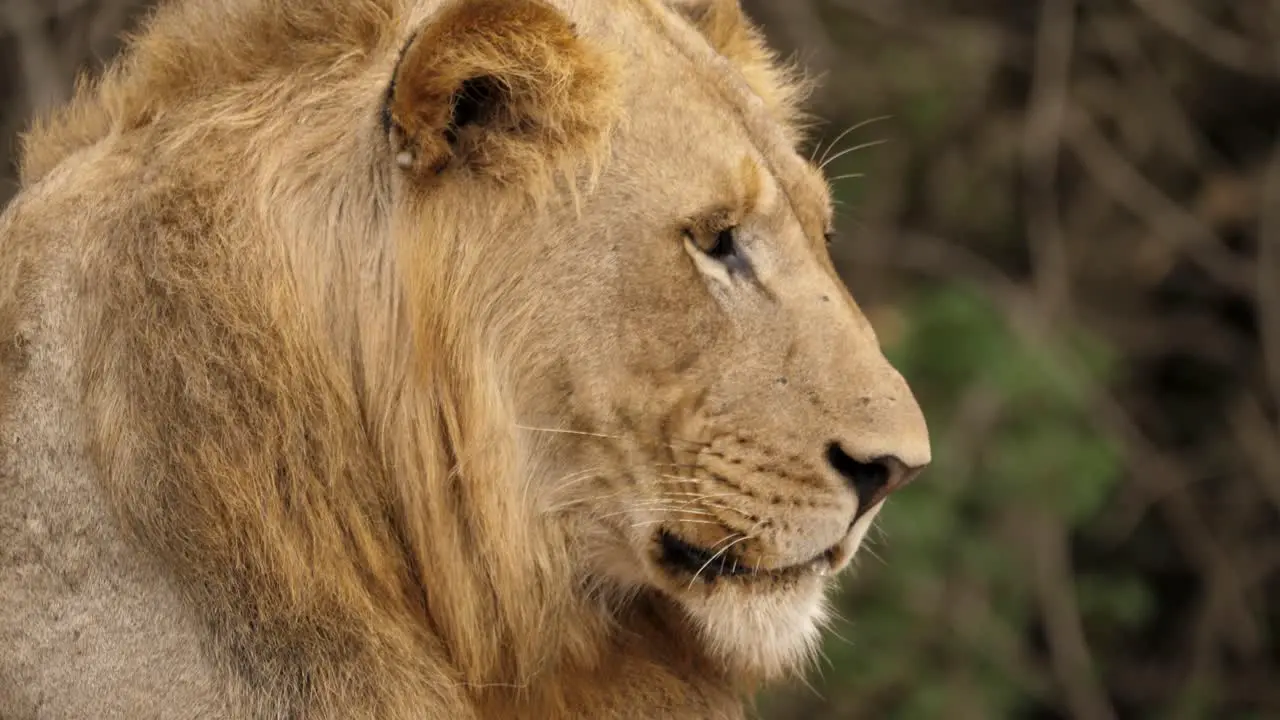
[(425, 342), (709, 413)]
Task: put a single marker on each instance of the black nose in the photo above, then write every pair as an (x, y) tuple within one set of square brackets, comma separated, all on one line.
[(871, 481)]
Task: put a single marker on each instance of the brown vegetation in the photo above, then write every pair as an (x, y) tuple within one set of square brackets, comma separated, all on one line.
[(1110, 167)]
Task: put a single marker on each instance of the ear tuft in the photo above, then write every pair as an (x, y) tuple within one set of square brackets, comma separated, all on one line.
[(731, 33), (719, 20), (504, 88)]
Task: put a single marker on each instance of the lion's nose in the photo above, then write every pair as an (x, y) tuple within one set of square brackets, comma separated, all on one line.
[(872, 479)]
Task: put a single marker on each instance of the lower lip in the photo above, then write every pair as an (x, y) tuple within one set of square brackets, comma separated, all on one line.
[(683, 556)]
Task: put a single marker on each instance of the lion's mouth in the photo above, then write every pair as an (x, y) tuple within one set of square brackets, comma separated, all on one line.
[(710, 564)]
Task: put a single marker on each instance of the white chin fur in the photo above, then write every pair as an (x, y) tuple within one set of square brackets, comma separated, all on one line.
[(768, 634)]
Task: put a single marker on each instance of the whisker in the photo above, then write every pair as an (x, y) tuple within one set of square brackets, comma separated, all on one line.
[(658, 509), (692, 443), (682, 522), (673, 479), (846, 151), (812, 689), (833, 614), (672, 498), (722, 506), (831, 631), (579, 476), (562, 431), (712, 559), (818, 145), (825, 659), (584, 433), (750, 534), (592, 498), (700, 500), (649, 505), (867, 549), (714, 506), (699, 496), (703, 496), (746, 536), (565, 482), (678, 477), (702, 480), (568, 480), (846, 176), (576, 477), (851, 128)]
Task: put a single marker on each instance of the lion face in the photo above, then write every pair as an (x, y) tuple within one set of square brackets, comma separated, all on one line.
[(707, 415), (744, 426), (725, 424)]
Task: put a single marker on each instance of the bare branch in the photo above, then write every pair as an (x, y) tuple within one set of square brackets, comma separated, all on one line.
[(1268, 282), (1173, 223), (1055, 589), (1042, 139), (1215, 43)]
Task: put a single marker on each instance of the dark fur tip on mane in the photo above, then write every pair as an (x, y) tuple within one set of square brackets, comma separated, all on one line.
[(385, 114)]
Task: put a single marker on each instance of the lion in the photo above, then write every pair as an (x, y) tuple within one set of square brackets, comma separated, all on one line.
[(429, 359)]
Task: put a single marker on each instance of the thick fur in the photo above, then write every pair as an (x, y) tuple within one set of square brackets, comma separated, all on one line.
[(340, 341)]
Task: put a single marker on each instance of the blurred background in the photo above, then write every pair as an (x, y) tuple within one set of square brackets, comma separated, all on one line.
[(1063, 217)]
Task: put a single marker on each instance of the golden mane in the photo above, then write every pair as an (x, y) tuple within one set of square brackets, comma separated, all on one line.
[(282, 374)]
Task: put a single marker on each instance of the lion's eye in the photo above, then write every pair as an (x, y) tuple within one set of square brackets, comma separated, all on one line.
[(722, 245), (829, 236)]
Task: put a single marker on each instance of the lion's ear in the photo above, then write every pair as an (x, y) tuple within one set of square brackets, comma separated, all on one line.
[(723, 23), (501, 87), (731, 33)]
